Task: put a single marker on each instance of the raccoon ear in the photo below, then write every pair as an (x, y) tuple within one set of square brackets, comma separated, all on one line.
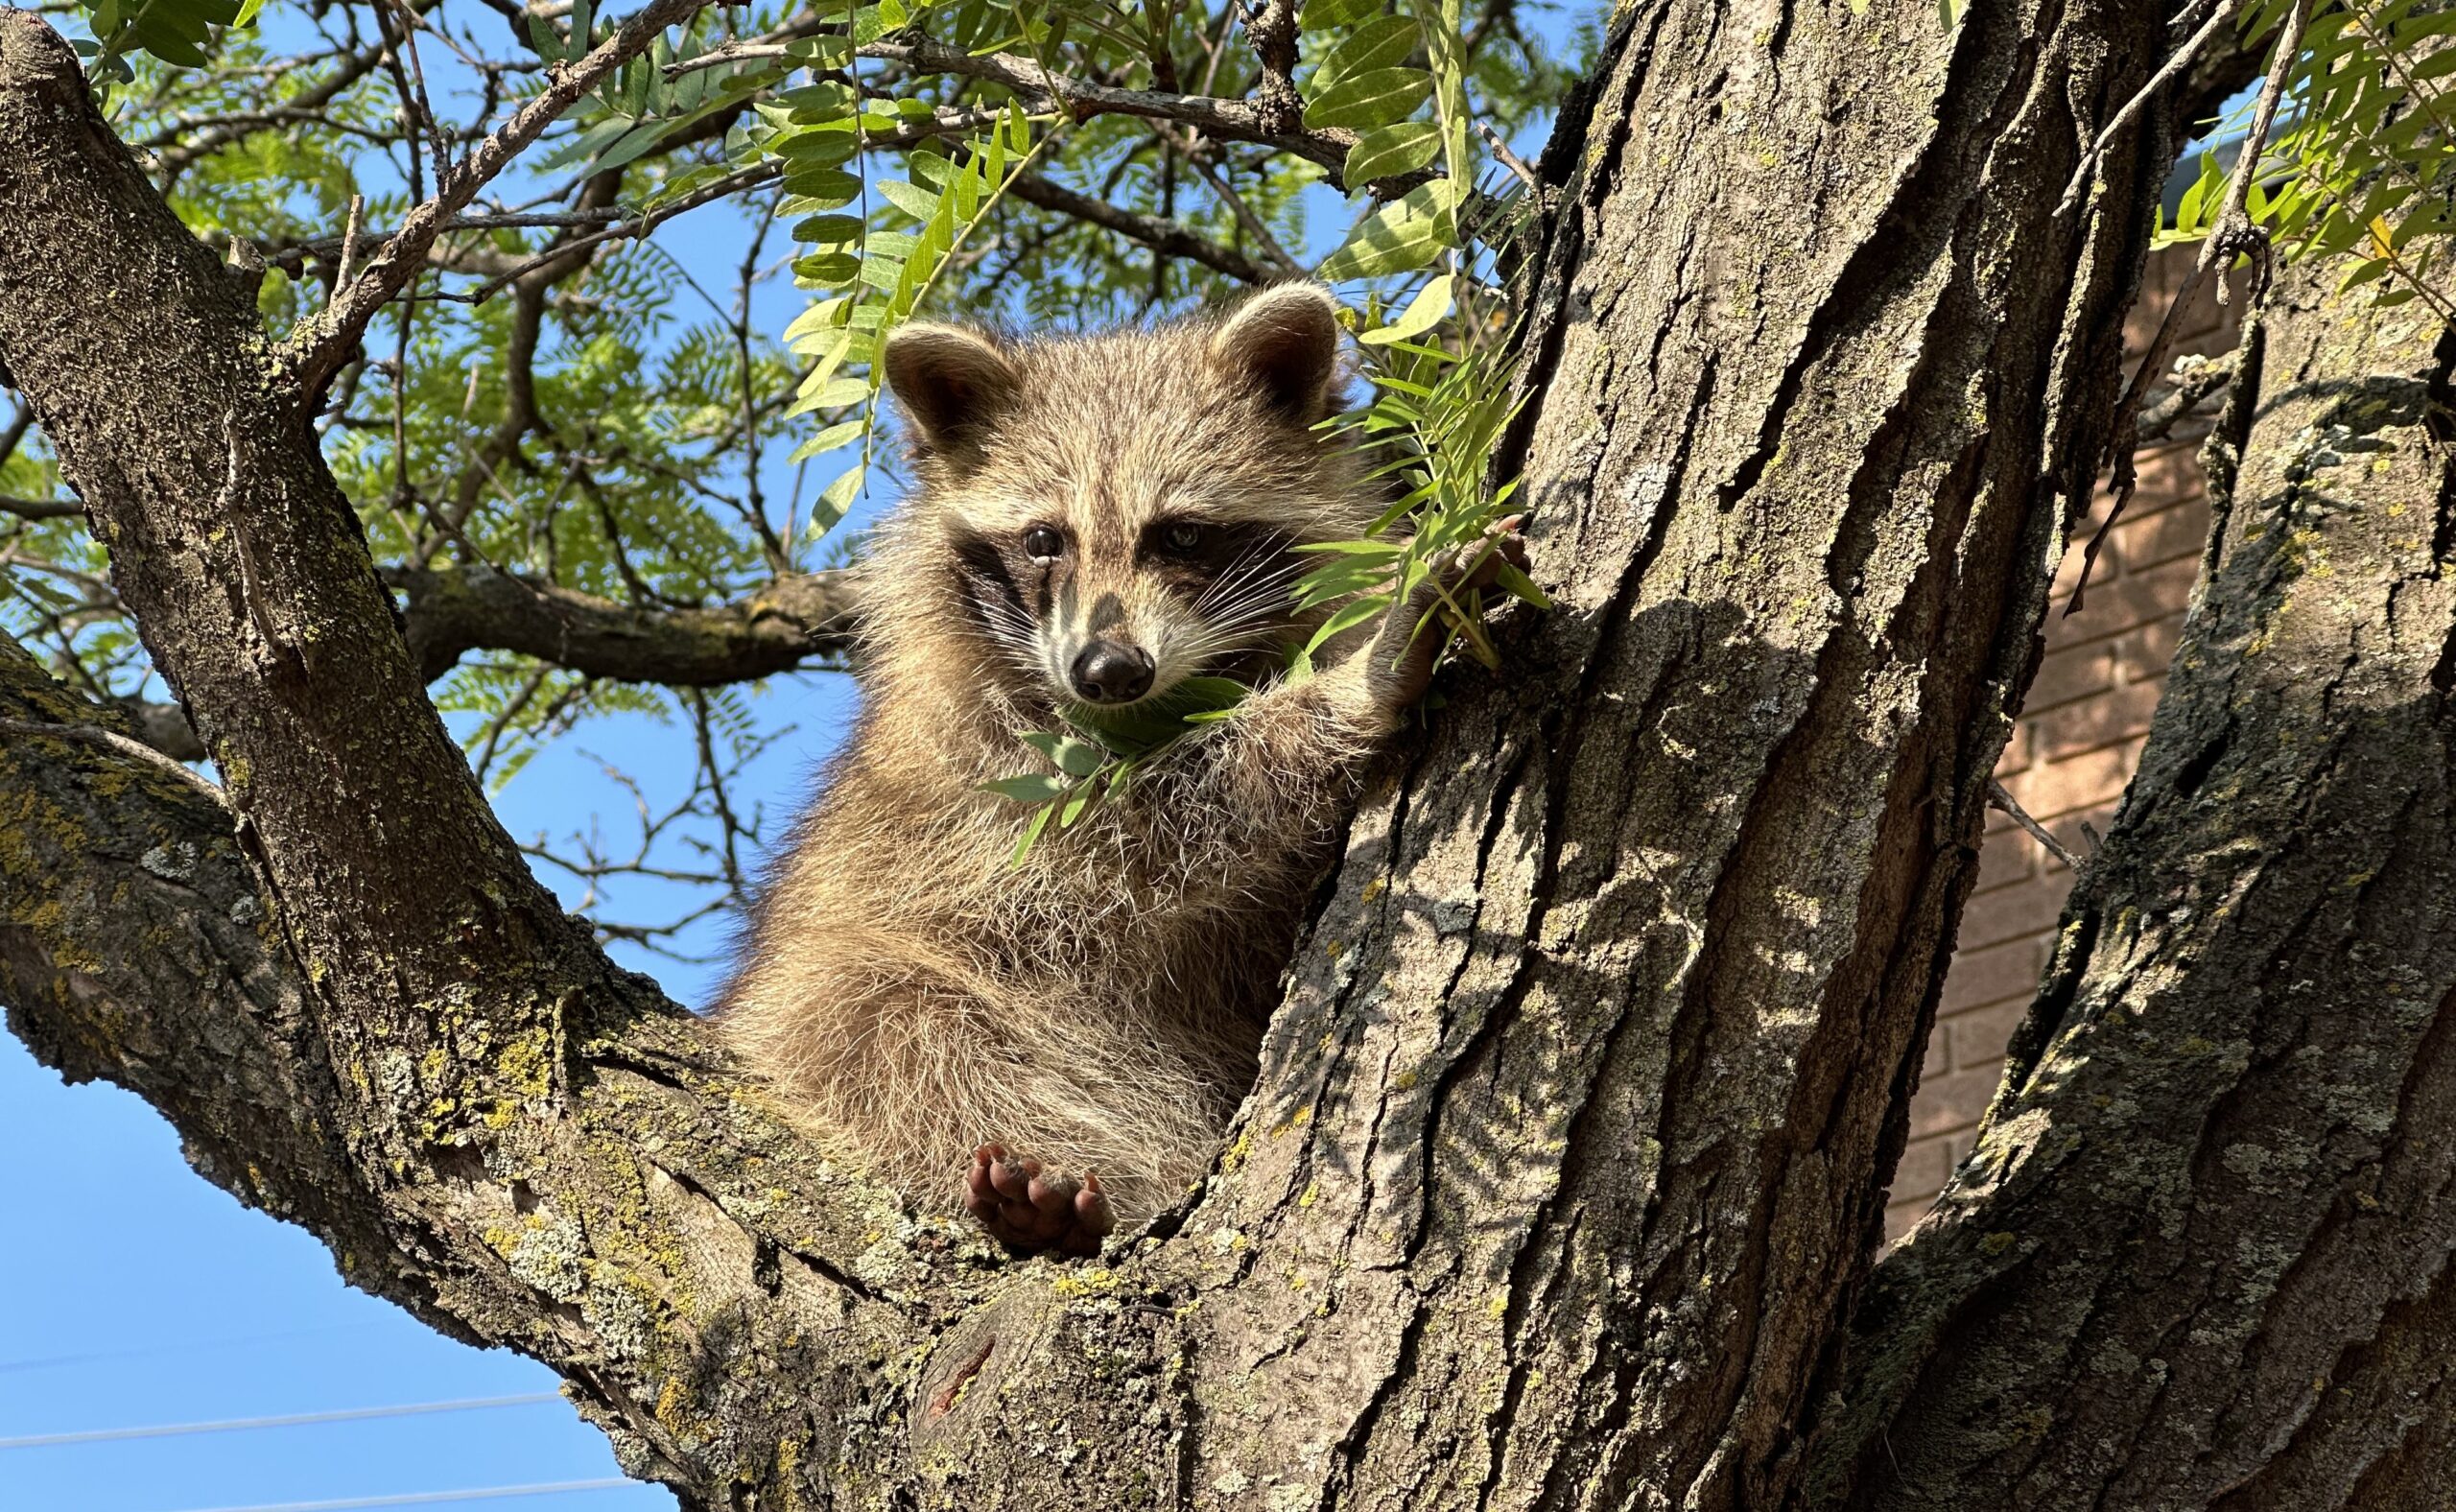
[(1285, 340), (951, 382)]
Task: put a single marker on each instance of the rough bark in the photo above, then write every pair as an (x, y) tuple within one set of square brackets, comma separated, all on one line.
[(2204, 1254), (1572, 1137)]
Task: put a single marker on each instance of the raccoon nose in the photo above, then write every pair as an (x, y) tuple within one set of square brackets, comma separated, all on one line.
[(1107, 673)]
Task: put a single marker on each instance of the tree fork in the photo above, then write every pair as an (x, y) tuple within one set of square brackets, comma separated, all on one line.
[(1573, 1132), (2204, 1253)]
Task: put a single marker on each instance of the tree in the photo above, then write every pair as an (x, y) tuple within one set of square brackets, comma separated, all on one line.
[(1561, 1181)]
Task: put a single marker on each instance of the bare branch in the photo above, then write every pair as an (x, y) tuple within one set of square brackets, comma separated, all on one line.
[(2000, 799), (1044, 91), (790, 623), (1167, 237), (321, 345), (2230, 235), (41, 508)]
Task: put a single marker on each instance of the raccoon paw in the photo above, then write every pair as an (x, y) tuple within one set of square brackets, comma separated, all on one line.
[(1027, 1208)]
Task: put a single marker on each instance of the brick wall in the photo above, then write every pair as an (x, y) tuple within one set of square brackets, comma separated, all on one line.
[(2072, 750)]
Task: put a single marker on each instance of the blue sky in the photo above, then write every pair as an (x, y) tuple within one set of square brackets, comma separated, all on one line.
[(139, 1297)]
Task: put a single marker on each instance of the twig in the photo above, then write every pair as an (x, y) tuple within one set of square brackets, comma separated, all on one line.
[(2000, 799), (1162, 235), (2196, 381), (349, 241), (1231, 120), (2176, 64), (112, 741), (439, 145), (2232, 233), (323, 342), (41, 508), (1509, 159), (1254, 225)]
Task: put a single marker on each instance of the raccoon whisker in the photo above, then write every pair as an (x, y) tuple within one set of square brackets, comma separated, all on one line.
[(1259, 606), (1265, 591), (1255, 564)]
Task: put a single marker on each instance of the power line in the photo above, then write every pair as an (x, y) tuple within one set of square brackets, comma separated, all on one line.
[(111, 1436), (428, 1499)]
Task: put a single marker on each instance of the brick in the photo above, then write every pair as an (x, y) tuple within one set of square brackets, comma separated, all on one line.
[(1978, 1037), (2087, 781), (2134, 598), (2016, 753), (2068, 672), (2006, 860), (2148, 651), (1990, 974), (1937, 1058), (2117, 714), (1924, 1165), (1951, 1103), (2166, 477), (2166, 535), (2009, 913)]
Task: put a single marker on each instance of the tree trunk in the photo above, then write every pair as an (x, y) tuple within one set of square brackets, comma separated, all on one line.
[(2204, 1253), (1571, 1138)]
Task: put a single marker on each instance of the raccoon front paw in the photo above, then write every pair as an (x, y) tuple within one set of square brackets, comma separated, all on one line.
[(1027, 1208)]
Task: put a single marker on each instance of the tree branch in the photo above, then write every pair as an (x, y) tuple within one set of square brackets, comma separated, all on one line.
[(452, 611), (1167, 237), (1233, 120), (41, 508)]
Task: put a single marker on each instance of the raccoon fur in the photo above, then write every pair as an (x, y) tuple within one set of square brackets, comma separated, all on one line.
[(1060, 1045)]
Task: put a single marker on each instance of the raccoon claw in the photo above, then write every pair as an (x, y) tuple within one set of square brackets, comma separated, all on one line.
[(1029, 1210)]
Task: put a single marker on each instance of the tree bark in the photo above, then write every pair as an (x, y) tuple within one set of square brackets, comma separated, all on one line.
[(2204, 1254), (1572, 1137)]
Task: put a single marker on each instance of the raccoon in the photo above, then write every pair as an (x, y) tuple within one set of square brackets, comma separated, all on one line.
[(1059, 1044)]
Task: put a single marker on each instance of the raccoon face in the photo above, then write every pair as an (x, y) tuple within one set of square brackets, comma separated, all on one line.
[(1120, 513)]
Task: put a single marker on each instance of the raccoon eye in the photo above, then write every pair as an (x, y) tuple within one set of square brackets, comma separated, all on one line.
[(1044, 545), (1185, 538)]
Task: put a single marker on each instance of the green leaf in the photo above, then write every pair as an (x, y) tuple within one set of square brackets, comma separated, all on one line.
[(824, 187), (1378, 97), (1422, 313), (1521, 585), (837, 498), (1391, 151), (840, 434), (828, 270), (631, 145), (832, 229), (917, 203), (1383, 42), (1032, 833), (1321, 16), (1028, 788), (1074, 758), (588, 143), (828, 51), (1347, 618), (1400, 237)]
